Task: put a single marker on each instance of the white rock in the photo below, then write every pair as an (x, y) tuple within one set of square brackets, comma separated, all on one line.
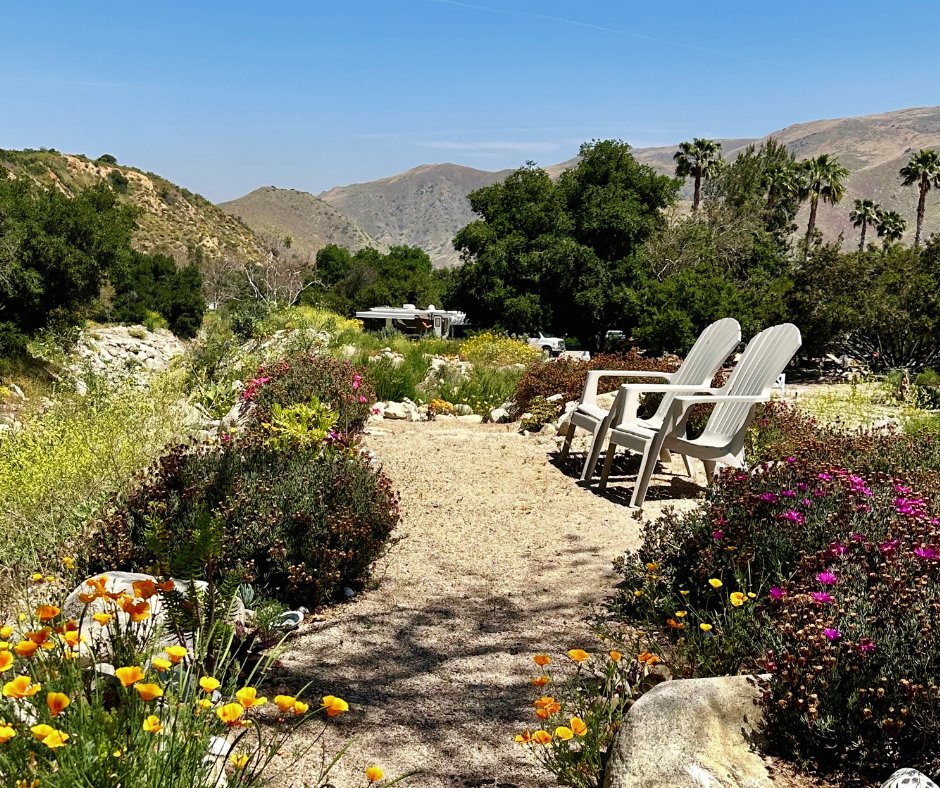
[(462, 409), (472, 418), (555, 398), (395, 410), (16, 390), (499, 415), (908, 778)]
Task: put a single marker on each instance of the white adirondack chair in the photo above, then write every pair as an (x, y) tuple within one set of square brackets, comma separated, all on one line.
[(722, 441), (702, 362)]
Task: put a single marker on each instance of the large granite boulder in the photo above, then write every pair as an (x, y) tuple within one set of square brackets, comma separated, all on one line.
[(691, 733)]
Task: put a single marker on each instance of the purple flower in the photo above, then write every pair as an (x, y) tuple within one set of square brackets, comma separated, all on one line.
[(793, 516), (790, 460), (832, 634), (769, 497), (857, 537), (889, 546), (866, 645), (788, 493), (824, 477), (822, 597), (806, 502), (837, 548), (777, 593), (802, 487), (718, 535), (902, 489), (827, 578), (926, 552)]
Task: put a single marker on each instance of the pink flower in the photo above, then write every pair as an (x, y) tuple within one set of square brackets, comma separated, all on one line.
[(866, 645), (822, 597), (827, 578), (837, 548), (926, 552), (376, 411), (777, 593), (718, 535), (831, 634), (356, 381), (793, 516), (769, 497), (802, 487), (362, 400), (824, 477), (788, 493), (889, 546)]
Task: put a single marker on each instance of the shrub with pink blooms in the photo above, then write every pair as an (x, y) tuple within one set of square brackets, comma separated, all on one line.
[(827, 580), (343, 387)]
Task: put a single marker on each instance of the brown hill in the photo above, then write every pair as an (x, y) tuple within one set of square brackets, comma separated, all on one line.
[(421, 207), (311, 222), (172, 219)]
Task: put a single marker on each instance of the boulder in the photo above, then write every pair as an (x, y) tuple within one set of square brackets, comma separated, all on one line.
[(395, 410), (471, 418), (908, 778), (499, 415), (691, 733), (462, 409)]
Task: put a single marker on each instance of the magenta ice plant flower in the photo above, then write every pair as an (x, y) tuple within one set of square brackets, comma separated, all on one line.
[(866, 645), (777, 593), (832, 634), (926, 552), (822, 597), (827, 578), (793, 516)]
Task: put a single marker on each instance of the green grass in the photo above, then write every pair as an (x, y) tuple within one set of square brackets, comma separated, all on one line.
[(58, 471)]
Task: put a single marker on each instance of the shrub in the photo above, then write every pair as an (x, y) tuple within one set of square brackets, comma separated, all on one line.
[(497, 350), (67, 462), (826, 579), (300, 523), (395, 380), (296, 379), (483, 389), (566, 376)]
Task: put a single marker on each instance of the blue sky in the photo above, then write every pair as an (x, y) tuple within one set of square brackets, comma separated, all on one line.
[(225, 97)]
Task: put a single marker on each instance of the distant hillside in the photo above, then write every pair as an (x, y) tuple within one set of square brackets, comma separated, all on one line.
[(423, 207), (311, 222), (172, 218)]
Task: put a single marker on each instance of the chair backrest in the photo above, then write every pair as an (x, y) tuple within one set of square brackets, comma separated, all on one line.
[(761, 363), (704, 360)]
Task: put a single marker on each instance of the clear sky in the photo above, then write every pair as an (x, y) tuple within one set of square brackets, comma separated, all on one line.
[(225, 97)]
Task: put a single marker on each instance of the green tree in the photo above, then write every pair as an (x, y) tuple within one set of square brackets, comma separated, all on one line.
[(922, 169), (823, 178), (700, 159), (561, 257), (890, 226), (55, 253), (865, 212)]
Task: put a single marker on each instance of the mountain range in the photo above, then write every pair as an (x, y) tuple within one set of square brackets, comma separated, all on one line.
[(426, 205)]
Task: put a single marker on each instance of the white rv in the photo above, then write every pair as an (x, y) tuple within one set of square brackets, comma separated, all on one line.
[(412, 321)]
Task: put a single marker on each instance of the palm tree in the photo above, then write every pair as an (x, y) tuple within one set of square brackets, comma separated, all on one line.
[(700, 158), (924, 170), (823, 179), (866, 212), (781, 180), (890, 226)]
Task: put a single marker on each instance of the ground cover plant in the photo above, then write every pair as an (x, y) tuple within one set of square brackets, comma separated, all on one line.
[(65, 464), (820, 566)]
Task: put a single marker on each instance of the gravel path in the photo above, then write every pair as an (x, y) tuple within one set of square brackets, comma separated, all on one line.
[(500, 555)]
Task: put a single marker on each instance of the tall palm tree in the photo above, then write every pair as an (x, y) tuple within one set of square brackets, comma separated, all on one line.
[(890, 226), (781, 180), (924, 170), (823, 179), (701, 159), (865, 212)]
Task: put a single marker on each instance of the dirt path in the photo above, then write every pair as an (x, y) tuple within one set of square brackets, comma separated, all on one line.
[(500, 555)]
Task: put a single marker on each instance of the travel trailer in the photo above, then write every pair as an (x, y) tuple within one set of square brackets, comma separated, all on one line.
[(412, 321)]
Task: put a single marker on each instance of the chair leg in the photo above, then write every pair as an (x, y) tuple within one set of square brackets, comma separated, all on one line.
[(710, 466), (594, 453), (664, 456), (647, 464), (608, 462), (688, 465), (569, 434)]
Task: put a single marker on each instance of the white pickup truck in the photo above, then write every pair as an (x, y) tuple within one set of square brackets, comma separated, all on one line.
[(551, 345)]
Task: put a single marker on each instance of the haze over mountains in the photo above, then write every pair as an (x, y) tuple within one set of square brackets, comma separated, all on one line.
[(426, 205)]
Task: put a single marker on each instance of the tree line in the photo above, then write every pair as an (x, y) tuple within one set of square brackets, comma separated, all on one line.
[(605, 247)]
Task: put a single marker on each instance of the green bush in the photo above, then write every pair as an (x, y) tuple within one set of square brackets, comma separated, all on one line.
[(300, 524), (341, 386), (394, 381), (824, 577), (483, 389), (65, 464)]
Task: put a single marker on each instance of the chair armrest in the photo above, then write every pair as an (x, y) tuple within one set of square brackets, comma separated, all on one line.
[(589, 395), (718, 398), (667, 388)]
